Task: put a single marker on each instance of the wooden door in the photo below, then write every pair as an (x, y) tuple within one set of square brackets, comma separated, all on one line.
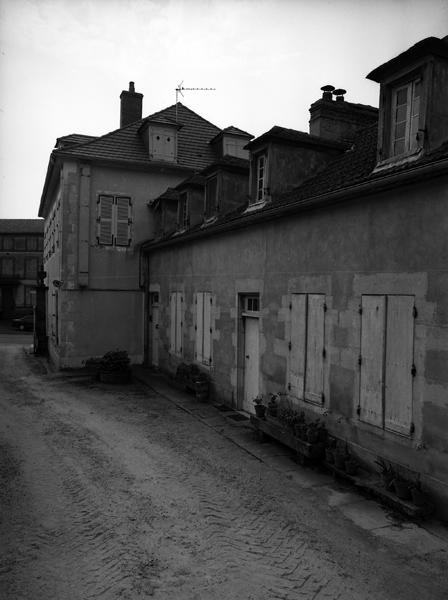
[(372, 359), (314, 374), (251, 362)]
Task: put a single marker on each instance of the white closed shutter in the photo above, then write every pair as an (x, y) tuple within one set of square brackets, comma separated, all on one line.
[(207, 348), (199, 326), (105, 220), (123, 221), (297, 345), (372, 358), (314, 375), (399, 362)]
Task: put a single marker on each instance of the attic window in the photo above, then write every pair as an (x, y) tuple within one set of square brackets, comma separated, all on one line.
[(405, 117)]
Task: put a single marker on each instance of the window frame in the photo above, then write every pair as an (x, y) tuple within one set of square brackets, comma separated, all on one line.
[(259, 181), (410, 145)]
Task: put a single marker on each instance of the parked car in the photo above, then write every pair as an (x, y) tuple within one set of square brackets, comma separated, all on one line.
[(25, 323)]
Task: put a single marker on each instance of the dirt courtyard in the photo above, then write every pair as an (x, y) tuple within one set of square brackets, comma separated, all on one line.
[(114, 492)]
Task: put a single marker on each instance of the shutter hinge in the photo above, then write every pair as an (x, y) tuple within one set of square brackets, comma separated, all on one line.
[(325, 307), (412, 428), (289, 346), (195, 327), (358, 409), (360, 309), (290, 306), (414, 312), (324, 352), (413, 371), (359, 360), (323, 398), (211, 300), (211, 330), (289, 386)]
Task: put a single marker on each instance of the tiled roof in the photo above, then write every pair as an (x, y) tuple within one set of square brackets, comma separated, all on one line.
[(126, 144), (74, 139), (22, 226), (169, 194), (283, 134), (236, 131), (232, 162), (354, 167)]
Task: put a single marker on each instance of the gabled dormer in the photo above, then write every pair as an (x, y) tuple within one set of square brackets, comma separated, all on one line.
[(413, 117), (226, 187), (231, 141), (282, 158), (190, 203), (160, 138)]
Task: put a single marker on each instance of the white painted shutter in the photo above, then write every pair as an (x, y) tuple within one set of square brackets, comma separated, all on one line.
[(105, 219), (372, 357), (315, 348), (173, 296), (399, 360), (179, 324), (123, 222), (199, 326), (297, 345), (207, 353)]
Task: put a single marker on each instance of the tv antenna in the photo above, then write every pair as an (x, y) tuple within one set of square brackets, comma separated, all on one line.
[(180, 88)]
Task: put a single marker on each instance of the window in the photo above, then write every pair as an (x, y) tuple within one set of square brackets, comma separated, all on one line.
[(386, 362), (203, 328), (7, 267), (183, 218), (176, 323), (251, 303), (31, 243), (405, 117), (8, 243), (31, 268), (307, 347), (211, 197), (260, 178), (19, 243), (114, 220), (30, 295)]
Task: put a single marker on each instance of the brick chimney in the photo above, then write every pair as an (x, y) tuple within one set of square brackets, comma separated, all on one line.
[(131, 106), (338, 120)]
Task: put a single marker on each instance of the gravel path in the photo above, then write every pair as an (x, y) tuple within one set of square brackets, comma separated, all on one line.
[(113, 492)]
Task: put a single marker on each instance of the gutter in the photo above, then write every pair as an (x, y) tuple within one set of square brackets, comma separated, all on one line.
[(386, 182)]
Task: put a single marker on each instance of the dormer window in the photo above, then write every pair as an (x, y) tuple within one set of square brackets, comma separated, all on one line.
[(184, 213), (405, 117), (211, 198)]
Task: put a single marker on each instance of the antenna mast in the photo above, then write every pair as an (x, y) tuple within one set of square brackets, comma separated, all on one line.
[(181, 89)]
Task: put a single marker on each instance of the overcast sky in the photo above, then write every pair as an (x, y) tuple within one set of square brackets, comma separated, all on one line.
[(64, 64)]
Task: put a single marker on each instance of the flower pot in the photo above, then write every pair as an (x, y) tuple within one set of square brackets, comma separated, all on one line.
[(351, 468), (339, 461), (329, 456), (201, 389), (312, 435), (419, 498), (402, 489), (260, 410)]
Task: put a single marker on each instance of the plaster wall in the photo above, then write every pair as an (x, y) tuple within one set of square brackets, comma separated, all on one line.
[(393, 243)]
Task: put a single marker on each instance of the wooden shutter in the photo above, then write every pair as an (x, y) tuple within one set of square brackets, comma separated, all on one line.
[(372, 359), (105, 220), (123, 222), (179, 324), (199, 326), (399, 361), (173, 297), (297, 345), (314, 374), (207, 351)]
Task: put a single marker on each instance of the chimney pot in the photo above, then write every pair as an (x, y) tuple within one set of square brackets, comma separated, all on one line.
[(339, 93), (131, 87), (327, 89)]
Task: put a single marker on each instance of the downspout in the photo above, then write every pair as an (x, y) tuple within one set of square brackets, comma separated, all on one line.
[(144, 283)]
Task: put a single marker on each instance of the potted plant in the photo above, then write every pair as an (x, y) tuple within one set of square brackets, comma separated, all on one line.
[(260, 408), (272, 408), (387, 473), (351, 465), (312, 433), (402, 488), (114, 367)]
